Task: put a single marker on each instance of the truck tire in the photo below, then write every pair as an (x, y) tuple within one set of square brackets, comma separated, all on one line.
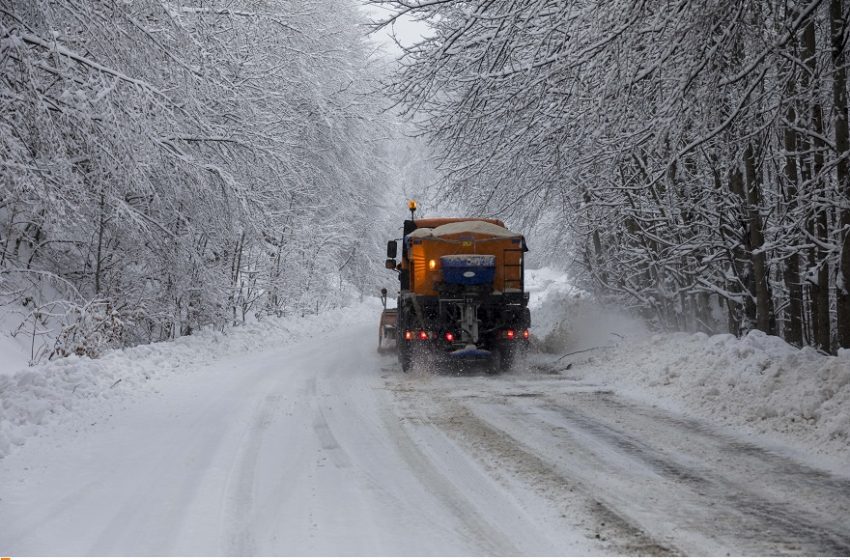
[(494, 364), (405, 358), (508, 355)]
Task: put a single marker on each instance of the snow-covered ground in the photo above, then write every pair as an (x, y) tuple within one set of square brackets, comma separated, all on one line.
[(214, 446), (759, 384), (17, 345), (37, 397), (294, 436)]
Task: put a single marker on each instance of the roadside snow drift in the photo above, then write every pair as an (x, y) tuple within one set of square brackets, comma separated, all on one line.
[(34, 397), (759, 383), (565, 318)]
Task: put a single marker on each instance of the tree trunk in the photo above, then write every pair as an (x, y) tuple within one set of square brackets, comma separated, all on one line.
[(791, 274), (817, 224), (236, 270), (598, 261), (837, 26), (760, 280), (741, 313), (99, 256)]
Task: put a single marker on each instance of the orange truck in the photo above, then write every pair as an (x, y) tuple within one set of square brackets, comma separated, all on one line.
[(462, 293)]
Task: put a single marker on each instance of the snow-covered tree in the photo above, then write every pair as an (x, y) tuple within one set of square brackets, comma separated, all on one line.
[(172, 164), (695, 151)]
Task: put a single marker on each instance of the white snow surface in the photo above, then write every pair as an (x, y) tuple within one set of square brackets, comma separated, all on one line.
[(758, 384), (35, 397), (472, 226), (16, 342), (13, 355), (293, 436), (283, 438)]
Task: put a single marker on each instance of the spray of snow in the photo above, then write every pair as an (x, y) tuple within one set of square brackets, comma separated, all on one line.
[(567, 319)]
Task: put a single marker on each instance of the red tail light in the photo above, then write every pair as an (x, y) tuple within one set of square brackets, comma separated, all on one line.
[(450, 337), (408, 335), (423, 335), (510, 334), (525, 334)]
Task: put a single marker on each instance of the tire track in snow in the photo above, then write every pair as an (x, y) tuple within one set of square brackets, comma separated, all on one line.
[(806, 480), (28, 523), (556, 484), (240, 487), (159, 502), (506, 458), (731, 512), (796, 528), (323, 431), (491, 541)]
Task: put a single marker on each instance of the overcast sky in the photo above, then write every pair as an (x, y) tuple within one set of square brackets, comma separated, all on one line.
[(406, 30)]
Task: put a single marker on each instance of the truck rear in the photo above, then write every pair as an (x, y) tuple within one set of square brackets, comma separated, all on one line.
[(462, 293)]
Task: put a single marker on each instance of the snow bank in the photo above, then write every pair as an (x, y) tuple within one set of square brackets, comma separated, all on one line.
[(13, 355), (41, 395), (16, 342), (758, 382)]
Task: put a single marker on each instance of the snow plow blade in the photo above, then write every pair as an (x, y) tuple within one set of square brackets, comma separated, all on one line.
[(470, 354)]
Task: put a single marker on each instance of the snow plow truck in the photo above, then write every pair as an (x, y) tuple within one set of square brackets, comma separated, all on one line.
[(462, 293)]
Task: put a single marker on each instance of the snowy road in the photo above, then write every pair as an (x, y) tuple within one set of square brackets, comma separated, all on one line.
[(324, 447)]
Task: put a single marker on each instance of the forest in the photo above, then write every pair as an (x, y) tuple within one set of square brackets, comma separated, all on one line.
[(690, 157), (169, 165), (166, 166)]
